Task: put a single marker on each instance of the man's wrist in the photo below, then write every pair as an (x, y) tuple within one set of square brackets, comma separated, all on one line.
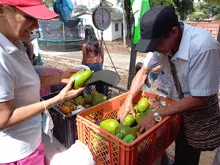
[(163, 113), (157, 117)]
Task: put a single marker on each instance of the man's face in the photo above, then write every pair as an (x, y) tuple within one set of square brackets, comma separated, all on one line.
[(19, 25), (168, 43)]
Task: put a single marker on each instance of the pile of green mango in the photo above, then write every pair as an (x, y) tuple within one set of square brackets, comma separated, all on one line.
[(127, 129), (122, 131), (141, 109), (91, 99)]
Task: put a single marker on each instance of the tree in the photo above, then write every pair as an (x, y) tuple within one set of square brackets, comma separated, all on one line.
[(162, 2), (213, 1), (184, 8), (49, 2), (211, 9)]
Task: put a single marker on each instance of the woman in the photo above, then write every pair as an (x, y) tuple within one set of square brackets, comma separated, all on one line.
[(93, 55), (20, 109), (93, 52)]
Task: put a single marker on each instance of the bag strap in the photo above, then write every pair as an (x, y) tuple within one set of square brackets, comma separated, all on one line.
[(176, 79)]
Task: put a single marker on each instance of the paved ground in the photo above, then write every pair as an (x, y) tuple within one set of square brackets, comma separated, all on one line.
[(119, 60)]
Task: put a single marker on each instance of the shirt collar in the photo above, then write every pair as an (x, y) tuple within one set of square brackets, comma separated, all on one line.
[(10, 47), (184, 44)]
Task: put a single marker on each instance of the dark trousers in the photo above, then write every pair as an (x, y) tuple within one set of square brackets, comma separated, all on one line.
[(184, 153)]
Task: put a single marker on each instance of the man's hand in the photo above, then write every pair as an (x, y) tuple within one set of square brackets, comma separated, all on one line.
[(146, 123), (126, 108), (65, 76)]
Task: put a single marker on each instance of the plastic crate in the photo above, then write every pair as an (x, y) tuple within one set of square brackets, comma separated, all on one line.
[(107, 149), (65, 126)]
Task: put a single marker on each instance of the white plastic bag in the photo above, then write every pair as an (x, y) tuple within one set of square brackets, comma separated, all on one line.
[(77, 154)]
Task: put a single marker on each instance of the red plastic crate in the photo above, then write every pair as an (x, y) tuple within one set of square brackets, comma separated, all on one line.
[(107, 149)]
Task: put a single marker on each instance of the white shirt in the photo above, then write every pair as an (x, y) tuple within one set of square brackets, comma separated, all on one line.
[(20, 83), (197, 63)]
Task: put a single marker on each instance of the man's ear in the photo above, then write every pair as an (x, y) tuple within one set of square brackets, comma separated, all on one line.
[(175, 32)]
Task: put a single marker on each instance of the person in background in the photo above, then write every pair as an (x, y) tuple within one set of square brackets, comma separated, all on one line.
[(152, 76), (92, 49), (20, 106), (93, 55), (191, 64)]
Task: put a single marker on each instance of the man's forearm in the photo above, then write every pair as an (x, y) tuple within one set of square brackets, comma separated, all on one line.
[(185, 104), (137, 83)]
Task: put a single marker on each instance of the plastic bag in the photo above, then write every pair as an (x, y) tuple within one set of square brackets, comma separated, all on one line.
[(77, 154)]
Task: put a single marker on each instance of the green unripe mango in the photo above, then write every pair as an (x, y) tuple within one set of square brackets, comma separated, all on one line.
[(139, 117), (87, 98), (98, 99), (81, 77), (129, 120), (109, 125), (142, 104), (120, 135), (136, 108), (128, 138)]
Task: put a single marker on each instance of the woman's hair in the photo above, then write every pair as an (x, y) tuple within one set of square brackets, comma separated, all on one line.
[(138, 66), (92, 43)]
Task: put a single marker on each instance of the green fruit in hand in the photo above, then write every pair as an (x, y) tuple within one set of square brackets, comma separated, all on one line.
[(88, 99), (139, 117), (120, 135), (143, 104), (136, 108), (109, 125), (128, 138), (129, 120), (79, 101), (81, 77), (125, 130)]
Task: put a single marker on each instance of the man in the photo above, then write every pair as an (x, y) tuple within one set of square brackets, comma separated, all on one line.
[(191, 66)]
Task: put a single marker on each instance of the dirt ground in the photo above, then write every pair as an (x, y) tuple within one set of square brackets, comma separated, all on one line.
[(117, 46)]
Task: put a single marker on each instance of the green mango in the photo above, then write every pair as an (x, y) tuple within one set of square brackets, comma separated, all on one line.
[(129, 120), (81, 77), (109, 125), (138, 134), (87, 105), (98, 99), (88, 99), (136, 108), (95, 93), (125, 130), (148, 110), (142, 104), (139, 117), (128, 138), (120, 135), (79, 101)]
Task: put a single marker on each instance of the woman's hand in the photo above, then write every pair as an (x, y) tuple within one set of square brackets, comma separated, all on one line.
[(65, 76), (68, 92), (126, 108)]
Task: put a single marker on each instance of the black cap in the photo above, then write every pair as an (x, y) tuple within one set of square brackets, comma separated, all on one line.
[(155, 24)]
